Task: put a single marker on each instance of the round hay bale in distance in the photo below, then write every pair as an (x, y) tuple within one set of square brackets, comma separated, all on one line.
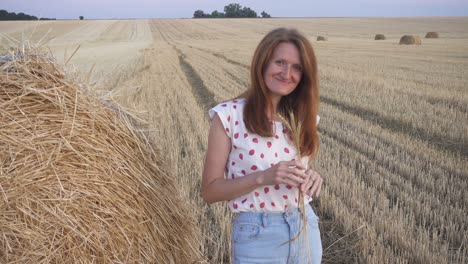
[(379, 37), (432, 35), (322, 38), (410, 40), (80, 180)]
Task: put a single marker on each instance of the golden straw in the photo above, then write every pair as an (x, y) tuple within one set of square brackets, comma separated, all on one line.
[(295, 127), (80, 179)]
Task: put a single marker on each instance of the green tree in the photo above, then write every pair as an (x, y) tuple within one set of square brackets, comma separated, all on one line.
[(233, 10), (11, 16), (247, 12), (81, 17), (265, 14), (3, 14), (199, 14), (215, 14)]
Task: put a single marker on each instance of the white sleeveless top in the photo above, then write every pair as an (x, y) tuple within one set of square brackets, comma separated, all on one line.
[(250, 153)]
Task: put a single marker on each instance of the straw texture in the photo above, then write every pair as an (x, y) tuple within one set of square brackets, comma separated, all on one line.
[(295, 127), (79, 180), (410, 40)]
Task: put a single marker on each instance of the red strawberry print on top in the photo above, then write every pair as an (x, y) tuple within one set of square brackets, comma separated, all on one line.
[(251, 153)]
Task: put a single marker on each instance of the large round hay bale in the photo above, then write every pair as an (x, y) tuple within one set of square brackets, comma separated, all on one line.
[(432, 35), (79, 180), (322, 38), (379, 37), (410, 40)]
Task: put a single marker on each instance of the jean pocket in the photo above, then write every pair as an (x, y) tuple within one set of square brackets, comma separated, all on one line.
[(245, 232), (312, 219)]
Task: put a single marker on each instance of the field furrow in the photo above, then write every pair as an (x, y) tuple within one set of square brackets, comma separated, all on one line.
[(204, 97), (395, 228), (212, 70), (455, 146)]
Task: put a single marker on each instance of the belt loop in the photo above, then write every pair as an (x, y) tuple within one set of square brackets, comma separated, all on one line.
[(265, 219)]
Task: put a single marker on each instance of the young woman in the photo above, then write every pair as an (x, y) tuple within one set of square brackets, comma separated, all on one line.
[(252, 163)]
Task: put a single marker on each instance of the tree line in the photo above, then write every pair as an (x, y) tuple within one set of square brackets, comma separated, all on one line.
[(5, 15), (230, 11)]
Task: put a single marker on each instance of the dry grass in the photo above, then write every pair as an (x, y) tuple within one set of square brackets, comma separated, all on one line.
[(294, 127), (80, 181), (379, 37), (322, 38), (393, 129), (410, 40), (432, 35)]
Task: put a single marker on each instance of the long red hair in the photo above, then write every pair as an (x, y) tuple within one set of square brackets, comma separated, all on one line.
[(303, 101)]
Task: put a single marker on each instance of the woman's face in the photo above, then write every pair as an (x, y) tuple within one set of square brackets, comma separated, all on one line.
[(284, 71)]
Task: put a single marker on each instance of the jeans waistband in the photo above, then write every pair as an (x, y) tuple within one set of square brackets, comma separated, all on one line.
[(266, 219)]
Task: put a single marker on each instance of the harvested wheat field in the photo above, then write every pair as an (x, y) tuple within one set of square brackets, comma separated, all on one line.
[(394, 119)]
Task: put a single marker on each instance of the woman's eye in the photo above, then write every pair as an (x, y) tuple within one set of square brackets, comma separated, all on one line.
[(297, 68), (279, 62)]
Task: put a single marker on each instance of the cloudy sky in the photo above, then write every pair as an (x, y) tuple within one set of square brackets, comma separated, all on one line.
[(95, 9)]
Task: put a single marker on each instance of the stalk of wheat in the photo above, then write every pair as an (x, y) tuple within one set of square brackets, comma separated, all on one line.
[(295, 127)]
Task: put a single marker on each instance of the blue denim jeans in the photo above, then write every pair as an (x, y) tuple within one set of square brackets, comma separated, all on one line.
[(265, 238)]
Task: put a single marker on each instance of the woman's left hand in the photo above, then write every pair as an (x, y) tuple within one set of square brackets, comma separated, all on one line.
[(312, 184)]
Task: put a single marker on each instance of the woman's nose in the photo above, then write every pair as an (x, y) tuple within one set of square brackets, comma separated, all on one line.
[(286, 70)]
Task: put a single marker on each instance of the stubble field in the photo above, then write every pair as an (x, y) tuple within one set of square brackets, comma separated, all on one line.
[(394, 118)]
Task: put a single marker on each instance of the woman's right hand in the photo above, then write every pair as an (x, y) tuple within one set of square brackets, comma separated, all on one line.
[(285, 172)]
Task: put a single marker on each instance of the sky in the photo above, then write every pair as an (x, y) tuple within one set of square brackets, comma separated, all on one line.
[(107, 9)]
